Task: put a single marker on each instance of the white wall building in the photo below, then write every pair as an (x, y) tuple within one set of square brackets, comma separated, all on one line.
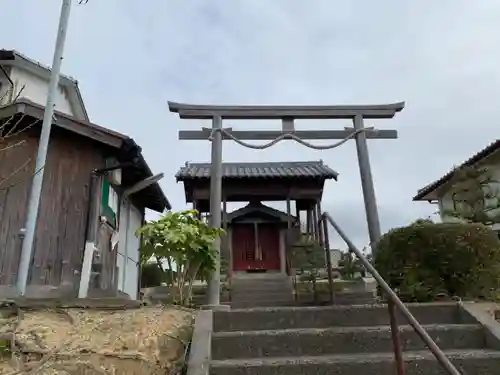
[(438, 192), (28, 79)]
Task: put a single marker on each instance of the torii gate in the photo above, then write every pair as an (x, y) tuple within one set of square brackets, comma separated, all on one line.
[(287, 115)]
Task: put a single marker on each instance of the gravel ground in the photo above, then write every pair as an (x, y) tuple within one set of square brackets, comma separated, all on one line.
[(148, 340)]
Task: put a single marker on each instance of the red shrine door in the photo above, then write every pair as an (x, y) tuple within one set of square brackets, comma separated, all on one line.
[(255, 251), (269, 242), (243, 246)]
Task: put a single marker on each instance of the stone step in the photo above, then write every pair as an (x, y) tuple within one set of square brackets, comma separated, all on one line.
[(266, 298), (262, 296), (343, 298), (280, 289), (345, 340), (260, 277), (259, 286), (355, 301), (353, 295), (263, 303), (331, 316), (470, 362), (239, 292), (289, 302)]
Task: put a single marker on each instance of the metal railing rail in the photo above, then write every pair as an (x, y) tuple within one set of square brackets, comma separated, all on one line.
[(395, 302)]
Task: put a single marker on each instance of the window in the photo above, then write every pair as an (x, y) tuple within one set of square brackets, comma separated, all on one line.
[(113, 200), (109, 202)]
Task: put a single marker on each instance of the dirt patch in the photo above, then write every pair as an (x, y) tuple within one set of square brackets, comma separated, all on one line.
[(147, 340)]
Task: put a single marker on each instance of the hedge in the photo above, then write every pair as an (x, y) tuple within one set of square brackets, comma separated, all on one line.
[(426, 261)]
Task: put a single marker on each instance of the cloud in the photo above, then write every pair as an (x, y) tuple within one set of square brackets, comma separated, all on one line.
[(441, 57)]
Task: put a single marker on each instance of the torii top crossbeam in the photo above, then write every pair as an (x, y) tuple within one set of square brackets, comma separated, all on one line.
[(268, 112)]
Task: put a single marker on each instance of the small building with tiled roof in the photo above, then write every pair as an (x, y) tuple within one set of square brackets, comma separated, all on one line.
[(259, 237), (438, 190), (96, 188)]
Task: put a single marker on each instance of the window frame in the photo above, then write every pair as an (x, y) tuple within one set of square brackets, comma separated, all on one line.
[(107, 208)]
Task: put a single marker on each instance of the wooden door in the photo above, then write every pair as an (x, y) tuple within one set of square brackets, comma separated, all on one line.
[(127, 258), (105, 261), (243, 246), (269, 246)]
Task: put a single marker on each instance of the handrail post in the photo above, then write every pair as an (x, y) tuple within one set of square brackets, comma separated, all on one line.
[(396, 302), (396, 339), (328, 258)]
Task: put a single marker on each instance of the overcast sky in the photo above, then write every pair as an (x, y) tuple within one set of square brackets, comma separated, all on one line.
[(441, 57)]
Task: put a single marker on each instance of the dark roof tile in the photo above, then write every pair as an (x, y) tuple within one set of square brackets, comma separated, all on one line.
[(294, 170)]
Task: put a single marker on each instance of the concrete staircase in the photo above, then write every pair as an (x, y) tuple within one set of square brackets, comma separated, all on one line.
[(341, 340), (257, 290), (268, 289)]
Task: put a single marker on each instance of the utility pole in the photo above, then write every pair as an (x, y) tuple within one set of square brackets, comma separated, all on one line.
[(36, 186)]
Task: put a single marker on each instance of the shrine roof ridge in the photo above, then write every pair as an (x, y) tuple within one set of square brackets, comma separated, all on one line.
[(259, 170)]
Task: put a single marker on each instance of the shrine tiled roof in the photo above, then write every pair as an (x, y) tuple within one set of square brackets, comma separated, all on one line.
[(265, 170)]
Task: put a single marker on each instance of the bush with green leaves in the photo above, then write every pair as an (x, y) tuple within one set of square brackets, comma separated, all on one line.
[(426, 261), (351, 267), (183, 242), (308, 257)]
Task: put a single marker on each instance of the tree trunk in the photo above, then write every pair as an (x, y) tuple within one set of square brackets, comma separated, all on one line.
[(192, 278)]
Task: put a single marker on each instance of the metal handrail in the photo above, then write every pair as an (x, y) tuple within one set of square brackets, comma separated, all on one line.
[(393, 297)]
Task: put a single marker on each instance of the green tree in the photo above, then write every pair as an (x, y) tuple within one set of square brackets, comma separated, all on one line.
[(185, 243), (308, 259), (350, 265), (475, 196), (425, 261)]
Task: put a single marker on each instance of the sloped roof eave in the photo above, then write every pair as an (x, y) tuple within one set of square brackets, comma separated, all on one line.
[(425, 193)]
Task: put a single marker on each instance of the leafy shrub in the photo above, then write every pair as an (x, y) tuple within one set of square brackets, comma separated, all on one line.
[(350, 265), (425, 261), (184, 240), (308, 254), (308, 257)]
